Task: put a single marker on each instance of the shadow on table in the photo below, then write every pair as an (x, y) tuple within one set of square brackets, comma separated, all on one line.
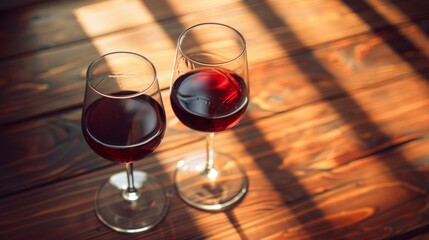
[(366, 131), (390, 34)]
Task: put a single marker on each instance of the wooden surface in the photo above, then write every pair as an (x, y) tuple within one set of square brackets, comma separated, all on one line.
[(335, 141)]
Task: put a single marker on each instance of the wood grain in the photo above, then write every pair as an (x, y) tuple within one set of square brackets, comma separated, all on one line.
[(337, 193), (47, 81), (52, 24), (44, 144), (334, 142), (358, 64), (56, 23)]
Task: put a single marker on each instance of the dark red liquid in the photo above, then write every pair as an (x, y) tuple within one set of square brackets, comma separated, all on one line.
[(124, 130), (209, 100)]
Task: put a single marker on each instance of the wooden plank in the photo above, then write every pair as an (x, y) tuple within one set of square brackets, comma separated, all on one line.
[(44, 143), (55, 23), (276, 87), (47, 81), (351, 197), (35, 150), (351, 210), (327, 137), (78, 205)]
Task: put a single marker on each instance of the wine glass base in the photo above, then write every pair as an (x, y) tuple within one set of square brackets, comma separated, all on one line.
[(213, 190), (131, 216)]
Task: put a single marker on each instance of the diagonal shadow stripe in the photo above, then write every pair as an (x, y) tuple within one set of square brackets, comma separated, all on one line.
[(167, 228), (275, 159), (410, 7), (398, 42), (271, 168), (159, 9), (400, 45), (155, 7), (367, 132)]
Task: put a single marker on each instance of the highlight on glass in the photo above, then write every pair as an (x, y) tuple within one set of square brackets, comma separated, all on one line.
[(123, 120), (210, 93)]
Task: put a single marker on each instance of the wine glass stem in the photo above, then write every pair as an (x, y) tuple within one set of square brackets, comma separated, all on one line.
[(210, 153), (131, 193)]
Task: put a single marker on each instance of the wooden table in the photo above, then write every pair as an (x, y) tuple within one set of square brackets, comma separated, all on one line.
[(335, 140)]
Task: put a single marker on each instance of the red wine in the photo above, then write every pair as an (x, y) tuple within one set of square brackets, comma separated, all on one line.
[(209, 99), (124, 130)]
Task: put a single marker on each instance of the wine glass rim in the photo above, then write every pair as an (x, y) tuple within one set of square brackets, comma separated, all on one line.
[(243, 50), (91, 65)]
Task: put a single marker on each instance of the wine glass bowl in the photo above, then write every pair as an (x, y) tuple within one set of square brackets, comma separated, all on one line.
[(123, 120), (210, 93), (209, 99)]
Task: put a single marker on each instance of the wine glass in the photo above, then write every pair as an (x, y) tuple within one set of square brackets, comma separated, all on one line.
[(210, 93), (123, 120)]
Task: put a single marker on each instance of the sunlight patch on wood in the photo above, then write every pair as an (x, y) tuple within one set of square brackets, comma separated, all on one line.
[(261, 44), (151, 42), (109, 16), (311, 21), (392, 15), (389, 11)]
